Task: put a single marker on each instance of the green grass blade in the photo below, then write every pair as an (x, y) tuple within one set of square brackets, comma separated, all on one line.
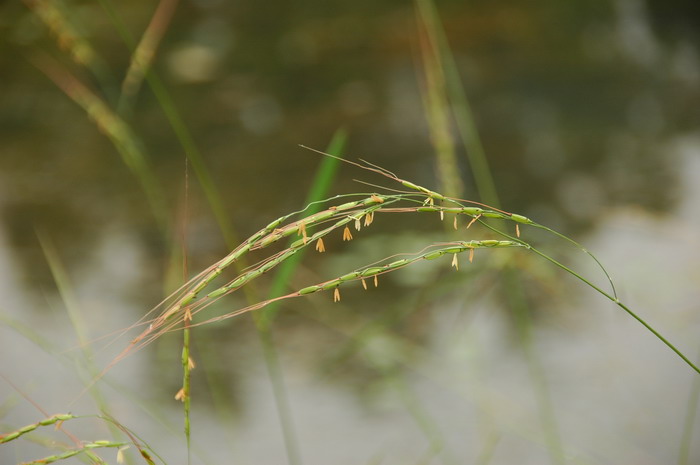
[(322, 182), (466, 127)]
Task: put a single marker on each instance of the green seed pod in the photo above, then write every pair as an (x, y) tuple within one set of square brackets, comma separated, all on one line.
[(371, 271), (324, 215), (348, 206), (397, 263), (309, 290), (9, 437), (434, 254), (55, 419), (493, 214), (238, 282), (300, 243), (453, 250), (219, 292), (270, 227), (349, 276), (269, 239), (28, 428), (330, 284), (521, 219), (104, 442)]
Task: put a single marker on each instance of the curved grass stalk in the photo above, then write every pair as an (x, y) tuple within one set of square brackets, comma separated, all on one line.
[(341, 215)]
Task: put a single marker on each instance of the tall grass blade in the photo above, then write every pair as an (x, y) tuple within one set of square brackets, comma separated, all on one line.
[(116, 129), (325, 175), (438, 113), (461, 109), (144, 53)]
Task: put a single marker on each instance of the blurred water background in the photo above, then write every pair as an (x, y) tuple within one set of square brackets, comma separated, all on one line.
[(588, 115)]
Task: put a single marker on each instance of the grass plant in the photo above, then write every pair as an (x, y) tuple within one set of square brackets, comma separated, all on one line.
[(279, 246)]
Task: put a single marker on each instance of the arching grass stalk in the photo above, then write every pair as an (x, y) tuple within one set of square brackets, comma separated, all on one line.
[(188, 301)]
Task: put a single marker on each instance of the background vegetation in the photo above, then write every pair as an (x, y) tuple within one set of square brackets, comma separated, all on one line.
[(586, 112)]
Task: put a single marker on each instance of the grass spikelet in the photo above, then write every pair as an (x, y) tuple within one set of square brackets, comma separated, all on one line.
[(347, 235), (336, 295)]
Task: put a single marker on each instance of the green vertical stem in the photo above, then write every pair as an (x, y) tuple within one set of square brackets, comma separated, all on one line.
[(263, 320), (518, 303), (70, 300), (284, 411), (426, 424), (186, 375)]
